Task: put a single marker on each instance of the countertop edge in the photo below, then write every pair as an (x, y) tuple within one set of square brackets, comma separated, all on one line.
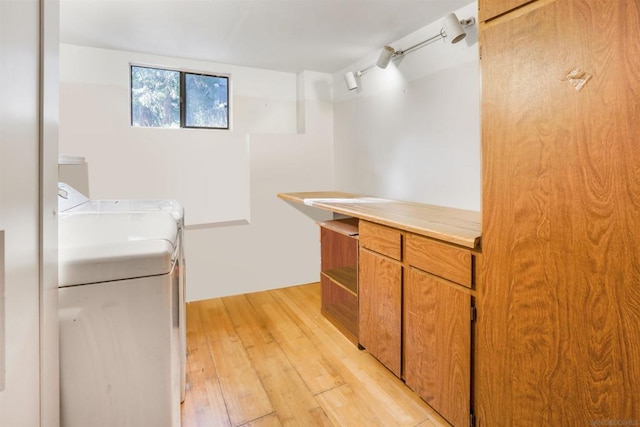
[(468, 237)]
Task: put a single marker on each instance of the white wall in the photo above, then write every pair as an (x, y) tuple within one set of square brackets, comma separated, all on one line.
[(240, 236), (412, 131), (280, 246), (206, 170)]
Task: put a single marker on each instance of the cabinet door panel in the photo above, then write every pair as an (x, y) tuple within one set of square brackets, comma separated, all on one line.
[(380, 293), (557, 332), (437, 346)]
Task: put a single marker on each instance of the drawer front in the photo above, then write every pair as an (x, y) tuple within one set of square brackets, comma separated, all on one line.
[(440, 259), (384, 240)]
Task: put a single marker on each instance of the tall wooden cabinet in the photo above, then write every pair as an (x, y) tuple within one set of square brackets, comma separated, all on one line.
[(558, 330), (488, 9)]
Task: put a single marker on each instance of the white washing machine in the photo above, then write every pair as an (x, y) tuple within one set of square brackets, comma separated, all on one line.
[(74, 170), (73, 201), (119, 316)]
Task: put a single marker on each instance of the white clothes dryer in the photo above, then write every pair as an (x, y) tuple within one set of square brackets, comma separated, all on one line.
[(119, 313), (72, 201)]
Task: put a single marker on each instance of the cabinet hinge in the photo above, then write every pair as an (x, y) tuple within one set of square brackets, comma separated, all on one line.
[(474, 313), (472, 420)]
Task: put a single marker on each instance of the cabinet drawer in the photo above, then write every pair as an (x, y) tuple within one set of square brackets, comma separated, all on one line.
[(384, 240), (441, 259)]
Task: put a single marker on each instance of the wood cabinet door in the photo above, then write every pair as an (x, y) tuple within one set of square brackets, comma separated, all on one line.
[(437, 344), (380, 308), (558, 330), (488, 9)]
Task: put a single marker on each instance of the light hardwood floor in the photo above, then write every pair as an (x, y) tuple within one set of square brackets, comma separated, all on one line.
[(271, 359)]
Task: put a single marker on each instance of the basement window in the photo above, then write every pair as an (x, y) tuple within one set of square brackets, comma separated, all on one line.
[(163, 98)]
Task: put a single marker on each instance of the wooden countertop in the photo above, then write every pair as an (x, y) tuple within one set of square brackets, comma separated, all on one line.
[(457, 226)]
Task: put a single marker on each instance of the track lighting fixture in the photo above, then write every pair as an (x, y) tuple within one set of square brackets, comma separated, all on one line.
[(351, 77), (385, 56), (452, 30)]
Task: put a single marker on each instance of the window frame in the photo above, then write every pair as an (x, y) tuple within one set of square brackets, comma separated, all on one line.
[(183, 96), (183, 100)]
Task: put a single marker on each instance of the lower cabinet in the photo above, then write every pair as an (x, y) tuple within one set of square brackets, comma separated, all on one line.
[(415, 314), (339, 275), (437, 344), (380, 308), (399, 280)]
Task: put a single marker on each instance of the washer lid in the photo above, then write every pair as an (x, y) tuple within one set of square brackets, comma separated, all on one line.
[(97, 248), (69, 198), (132, 205)]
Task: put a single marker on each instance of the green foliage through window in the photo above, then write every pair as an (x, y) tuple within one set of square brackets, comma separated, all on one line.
[(206, 101), (174, 99)]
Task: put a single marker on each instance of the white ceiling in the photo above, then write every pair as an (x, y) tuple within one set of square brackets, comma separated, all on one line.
[(284, 35)]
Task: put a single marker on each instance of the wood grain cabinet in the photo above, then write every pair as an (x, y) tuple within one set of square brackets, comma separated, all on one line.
[(437, 344), (558, 332), (338, 275), (440, 259), (415, 308), (409, 302), (380, 293), (438, 314), (488, 9)]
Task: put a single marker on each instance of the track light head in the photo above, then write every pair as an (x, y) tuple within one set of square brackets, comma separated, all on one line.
[(350, 80), (452, 29), (385, 56)]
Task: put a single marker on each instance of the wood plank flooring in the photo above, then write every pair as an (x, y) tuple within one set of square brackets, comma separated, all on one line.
[(270, 359)]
